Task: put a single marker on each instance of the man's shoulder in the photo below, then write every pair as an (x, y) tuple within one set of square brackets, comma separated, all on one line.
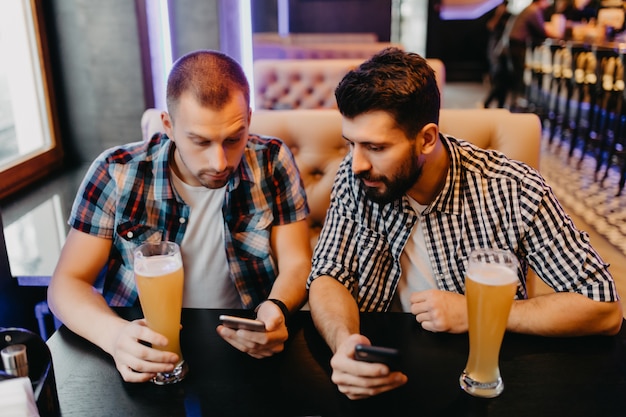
[(489, 162), (135, 151), (267, 148), (125, 164), (261, 142)]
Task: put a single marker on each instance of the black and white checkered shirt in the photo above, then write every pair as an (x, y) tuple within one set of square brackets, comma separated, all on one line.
[(488, 200)]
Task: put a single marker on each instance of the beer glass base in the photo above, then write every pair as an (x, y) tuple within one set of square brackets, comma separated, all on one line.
[(481, 389), (177, 375)]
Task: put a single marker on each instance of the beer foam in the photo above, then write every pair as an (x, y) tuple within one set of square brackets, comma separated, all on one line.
[(156, 265), (492, 274)]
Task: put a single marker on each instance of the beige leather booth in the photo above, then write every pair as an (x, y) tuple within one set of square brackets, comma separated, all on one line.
[(314, 137), (281, 84), (298, 83)]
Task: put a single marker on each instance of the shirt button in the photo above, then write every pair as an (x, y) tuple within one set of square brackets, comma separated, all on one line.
[(130, 235), (182, 220)]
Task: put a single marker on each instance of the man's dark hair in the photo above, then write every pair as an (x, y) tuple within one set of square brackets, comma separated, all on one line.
[(210, 76), (397, 82)]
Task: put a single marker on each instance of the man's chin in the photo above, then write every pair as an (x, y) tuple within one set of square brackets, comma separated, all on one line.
[(376, 196), (213, 185), (210, 181)]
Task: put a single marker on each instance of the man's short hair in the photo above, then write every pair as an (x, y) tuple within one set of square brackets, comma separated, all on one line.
[(210, 76), (394, 81)]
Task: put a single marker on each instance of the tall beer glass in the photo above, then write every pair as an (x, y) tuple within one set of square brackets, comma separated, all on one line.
[(490, 285), (159, 278)]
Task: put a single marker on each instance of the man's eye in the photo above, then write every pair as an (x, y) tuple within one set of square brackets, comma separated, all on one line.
[(198, 141), (232, 141), (375, 148)]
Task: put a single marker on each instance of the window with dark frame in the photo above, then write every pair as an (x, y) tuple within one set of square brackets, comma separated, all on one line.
[(30, 146)]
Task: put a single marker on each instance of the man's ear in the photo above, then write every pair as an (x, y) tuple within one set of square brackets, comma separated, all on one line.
[(430, 136), (168, 126)]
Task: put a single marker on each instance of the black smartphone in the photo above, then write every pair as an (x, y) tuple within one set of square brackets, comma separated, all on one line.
[(379, 354), (235, 322)]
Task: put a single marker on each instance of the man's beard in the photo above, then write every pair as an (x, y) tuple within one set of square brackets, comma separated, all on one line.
[(396, 186), (204, 177)]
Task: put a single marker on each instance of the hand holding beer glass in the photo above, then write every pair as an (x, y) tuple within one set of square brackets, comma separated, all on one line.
[(159, 278), (490, 285)]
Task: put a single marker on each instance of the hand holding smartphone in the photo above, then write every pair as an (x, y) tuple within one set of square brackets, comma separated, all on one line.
[(378, 354), (235, 322)]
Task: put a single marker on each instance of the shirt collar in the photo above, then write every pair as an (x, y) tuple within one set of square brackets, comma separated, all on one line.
[(164, 190), (244, 171), (449, 199)]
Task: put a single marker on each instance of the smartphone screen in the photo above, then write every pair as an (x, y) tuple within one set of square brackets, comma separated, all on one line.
[(235, 322), (377, 354)]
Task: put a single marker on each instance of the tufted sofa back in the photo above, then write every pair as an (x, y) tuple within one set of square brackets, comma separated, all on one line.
[(281, 84), (298, 84)]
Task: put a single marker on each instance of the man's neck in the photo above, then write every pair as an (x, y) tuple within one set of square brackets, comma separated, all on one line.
[(433, 176)]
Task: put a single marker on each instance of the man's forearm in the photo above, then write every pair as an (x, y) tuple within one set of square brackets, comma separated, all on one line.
[(85, 312), (290, 286), (565, 314), (334, 310), (291, 244)]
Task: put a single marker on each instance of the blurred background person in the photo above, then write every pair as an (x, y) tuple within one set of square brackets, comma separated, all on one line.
[(497, 55), (528, 30), (583, 11)]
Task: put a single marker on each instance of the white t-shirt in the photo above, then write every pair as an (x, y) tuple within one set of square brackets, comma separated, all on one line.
[(208, 283), (417, 273)]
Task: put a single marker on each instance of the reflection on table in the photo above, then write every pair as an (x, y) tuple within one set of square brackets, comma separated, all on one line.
[(34, 240), (543, 376)]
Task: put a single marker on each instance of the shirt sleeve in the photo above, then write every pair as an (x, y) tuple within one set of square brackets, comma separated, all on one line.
[(290, 197), (93, 211), (335, 255), (562, 255)]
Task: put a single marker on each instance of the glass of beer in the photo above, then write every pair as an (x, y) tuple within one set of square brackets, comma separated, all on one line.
[(490, 285), (159, 278)]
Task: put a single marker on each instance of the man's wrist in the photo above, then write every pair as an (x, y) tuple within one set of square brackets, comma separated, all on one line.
[(282, 306)]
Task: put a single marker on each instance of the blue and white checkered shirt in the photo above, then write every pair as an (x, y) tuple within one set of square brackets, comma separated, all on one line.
[(487, 201)]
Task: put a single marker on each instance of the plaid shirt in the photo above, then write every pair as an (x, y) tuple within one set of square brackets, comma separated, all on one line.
[(127, 196), (487, 201)]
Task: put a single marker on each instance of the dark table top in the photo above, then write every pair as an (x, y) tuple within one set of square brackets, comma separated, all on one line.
[(571, 377)]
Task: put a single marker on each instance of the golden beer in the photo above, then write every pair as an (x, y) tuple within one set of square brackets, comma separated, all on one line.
[(160, 279), (489, 291), (163, 317)]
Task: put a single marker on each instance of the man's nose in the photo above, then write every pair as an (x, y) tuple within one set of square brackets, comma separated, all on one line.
[(217, 158), (360, 163)]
